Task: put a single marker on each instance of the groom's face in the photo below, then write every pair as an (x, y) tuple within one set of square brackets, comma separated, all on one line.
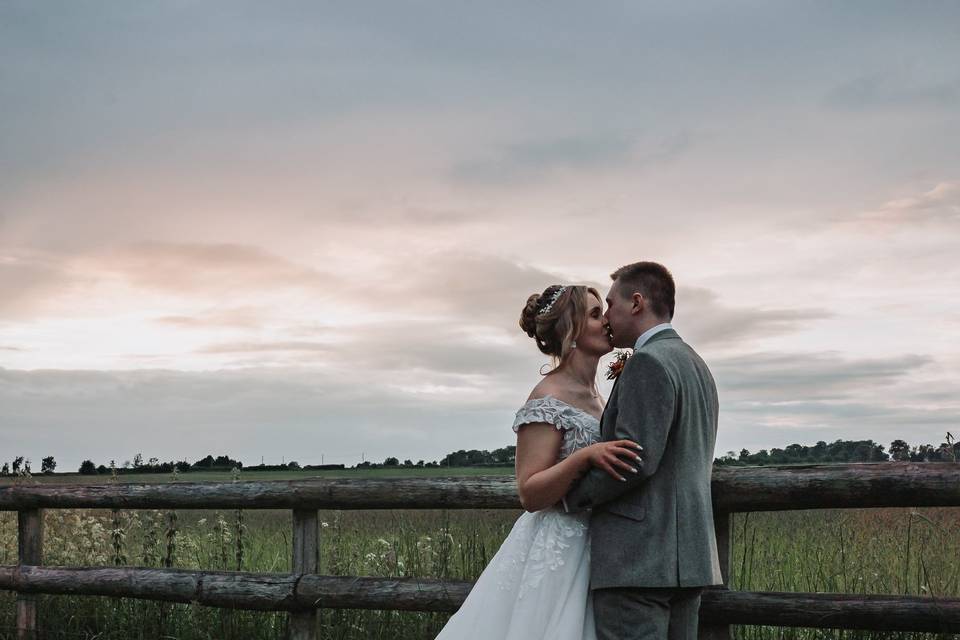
[(619, 317)]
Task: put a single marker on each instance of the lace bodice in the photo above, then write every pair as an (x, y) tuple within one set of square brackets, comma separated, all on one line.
[(580, 429)]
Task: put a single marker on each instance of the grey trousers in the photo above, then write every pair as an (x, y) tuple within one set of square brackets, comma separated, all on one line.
[(632, 613)]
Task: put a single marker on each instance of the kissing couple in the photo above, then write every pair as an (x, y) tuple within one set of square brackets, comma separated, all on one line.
[(617, 538)]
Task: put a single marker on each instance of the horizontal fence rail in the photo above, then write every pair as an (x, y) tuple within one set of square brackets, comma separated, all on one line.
[(293, 592), (303, 591), (886, 484)]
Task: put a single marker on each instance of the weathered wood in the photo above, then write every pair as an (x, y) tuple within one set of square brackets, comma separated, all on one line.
[(306, 557), (30, 552), (721, 525), (887, 484), (224, 589), (494, 492), (289, 592), (832, 611), (883, 484)]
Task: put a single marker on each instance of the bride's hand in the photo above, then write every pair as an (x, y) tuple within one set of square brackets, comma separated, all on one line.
[(612, 456)]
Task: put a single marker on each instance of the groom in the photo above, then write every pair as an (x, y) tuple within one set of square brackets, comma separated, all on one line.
[(653, 545)]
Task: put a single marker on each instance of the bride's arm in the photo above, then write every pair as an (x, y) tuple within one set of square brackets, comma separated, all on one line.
[(542, 481)]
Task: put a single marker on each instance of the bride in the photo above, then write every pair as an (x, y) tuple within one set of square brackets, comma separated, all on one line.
[(537, 584)]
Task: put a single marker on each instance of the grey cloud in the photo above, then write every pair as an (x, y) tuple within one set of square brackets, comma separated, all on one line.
[(538, 159), (704, 320), (792, 377), (774, 399), (522, 162), (466, 288), (272, 412), (891, 91)]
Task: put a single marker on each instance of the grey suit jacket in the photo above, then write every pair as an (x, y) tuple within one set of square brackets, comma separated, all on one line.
[(656, 529)]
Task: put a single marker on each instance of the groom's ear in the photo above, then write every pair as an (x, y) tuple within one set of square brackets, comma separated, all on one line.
[(638, 303)]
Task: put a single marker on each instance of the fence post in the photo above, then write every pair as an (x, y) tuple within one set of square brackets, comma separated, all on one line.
[(30, 552), (721, 524), (306, 554)]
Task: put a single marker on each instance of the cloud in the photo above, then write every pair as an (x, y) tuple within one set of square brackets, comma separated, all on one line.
[(239, 317), (938, 205), (704, 320), (272, 412), (887, 90), (203, 268), (29, 280), (791, 377), (260, 347), (777, 398), (35, 283), (534, 160)]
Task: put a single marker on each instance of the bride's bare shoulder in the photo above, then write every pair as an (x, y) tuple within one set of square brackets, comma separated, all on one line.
[(547, 387)]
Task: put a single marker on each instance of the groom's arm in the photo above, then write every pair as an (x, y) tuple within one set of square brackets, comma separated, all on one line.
[(645, 410)]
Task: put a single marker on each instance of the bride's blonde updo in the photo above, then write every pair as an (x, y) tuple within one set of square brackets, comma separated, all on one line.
[(555, 330)]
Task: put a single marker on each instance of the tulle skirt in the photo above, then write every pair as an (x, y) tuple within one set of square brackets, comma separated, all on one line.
[(536, 586)]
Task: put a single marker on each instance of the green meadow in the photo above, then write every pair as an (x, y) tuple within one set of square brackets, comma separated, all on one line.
[(892, 551)]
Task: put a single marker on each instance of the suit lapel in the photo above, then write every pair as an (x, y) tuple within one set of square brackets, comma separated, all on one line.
[(610, 407)]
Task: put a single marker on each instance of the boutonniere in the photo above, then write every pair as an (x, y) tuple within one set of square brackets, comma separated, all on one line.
[(616, 366)]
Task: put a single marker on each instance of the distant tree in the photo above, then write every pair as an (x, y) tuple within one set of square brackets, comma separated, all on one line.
[(17, 464), (391, 462), (26, 466), (5, 470), (861, 452), (921, 453), (102, 469), (419, 463), (899, 450), (819, 451), (87, 468), (293, 464), (153, 462), (138, 461), (182, 466), (48, 464)]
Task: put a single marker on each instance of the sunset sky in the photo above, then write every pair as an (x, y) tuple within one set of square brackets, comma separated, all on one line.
[(306, 231)]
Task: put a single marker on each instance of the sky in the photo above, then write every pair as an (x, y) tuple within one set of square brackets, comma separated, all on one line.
[(305, 231)]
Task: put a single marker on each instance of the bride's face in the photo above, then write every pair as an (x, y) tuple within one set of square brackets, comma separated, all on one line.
[(593, 337)]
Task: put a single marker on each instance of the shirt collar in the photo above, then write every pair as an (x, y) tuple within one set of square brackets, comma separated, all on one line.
[(649, 333)]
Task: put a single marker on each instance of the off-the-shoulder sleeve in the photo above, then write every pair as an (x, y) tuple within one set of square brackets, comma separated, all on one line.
[(547, 409)]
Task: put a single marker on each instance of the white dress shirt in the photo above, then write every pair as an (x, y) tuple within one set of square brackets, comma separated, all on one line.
[(649, 333)]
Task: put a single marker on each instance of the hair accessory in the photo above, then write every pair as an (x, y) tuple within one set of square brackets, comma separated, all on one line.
[(553, 299)]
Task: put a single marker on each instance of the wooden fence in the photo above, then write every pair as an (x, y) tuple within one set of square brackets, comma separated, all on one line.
[(303, 591)]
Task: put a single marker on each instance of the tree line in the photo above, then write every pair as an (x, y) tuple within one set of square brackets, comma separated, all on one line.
[(822, 452), (845, 451)]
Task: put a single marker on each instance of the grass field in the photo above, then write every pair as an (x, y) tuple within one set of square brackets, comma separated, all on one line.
[(897, 551), (254, 476)]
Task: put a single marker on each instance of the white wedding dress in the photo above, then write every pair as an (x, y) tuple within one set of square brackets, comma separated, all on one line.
[(537, 584)]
